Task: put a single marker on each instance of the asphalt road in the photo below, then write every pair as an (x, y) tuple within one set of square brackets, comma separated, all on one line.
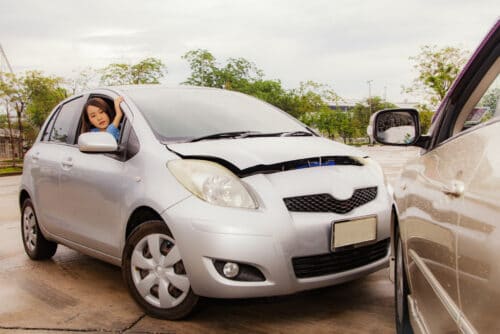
[(74, 293)]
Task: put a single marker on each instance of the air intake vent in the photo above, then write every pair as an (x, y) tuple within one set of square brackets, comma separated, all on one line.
[(327, 264), (328, 203)]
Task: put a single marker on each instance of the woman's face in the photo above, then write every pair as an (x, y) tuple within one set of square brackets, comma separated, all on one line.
[(98, 117)]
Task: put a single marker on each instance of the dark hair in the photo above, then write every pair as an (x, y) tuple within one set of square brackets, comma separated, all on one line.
[(99, 103)]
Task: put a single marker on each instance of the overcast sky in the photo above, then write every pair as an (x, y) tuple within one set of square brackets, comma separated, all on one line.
[(341, 43)]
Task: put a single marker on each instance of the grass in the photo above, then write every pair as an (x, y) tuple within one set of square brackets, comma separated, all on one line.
[(8, 170)]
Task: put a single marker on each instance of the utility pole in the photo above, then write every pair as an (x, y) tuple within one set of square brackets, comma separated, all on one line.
[(4, 62), (369, 82)]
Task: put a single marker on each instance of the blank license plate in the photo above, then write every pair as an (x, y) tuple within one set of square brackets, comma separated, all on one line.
[(345, 233)]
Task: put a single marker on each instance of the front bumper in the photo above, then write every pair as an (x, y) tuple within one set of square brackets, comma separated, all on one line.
[(267, 238)]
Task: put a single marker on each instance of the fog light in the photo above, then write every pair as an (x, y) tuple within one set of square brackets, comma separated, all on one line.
[(231, 269)]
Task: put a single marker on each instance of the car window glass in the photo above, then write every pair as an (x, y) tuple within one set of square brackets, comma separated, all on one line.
[(64, 126), (487, 108), (48, 128), (483, 104), (175, 113)]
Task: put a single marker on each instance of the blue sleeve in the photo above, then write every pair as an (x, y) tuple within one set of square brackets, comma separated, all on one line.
[(114, 131)]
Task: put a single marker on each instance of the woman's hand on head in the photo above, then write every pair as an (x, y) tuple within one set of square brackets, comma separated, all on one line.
[(118, 110), (118, 100)]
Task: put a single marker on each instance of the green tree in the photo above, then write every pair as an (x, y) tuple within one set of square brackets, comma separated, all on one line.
[(147, 71), (204, 70), (237, 74), (31, 96), (362, 111), (12, 95), (41, 94), (332, 123), (244, 76), (82, 81), (425, 116), (490, 99), (437, 68)]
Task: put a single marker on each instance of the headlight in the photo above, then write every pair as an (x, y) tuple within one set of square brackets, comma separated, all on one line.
[(212, 183)]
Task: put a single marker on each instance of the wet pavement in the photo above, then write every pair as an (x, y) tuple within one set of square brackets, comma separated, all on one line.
[(74, 293)]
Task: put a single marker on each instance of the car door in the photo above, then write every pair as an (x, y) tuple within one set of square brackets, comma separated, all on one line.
[(479, 233), (45, 160), (429, 201), (92, 188)]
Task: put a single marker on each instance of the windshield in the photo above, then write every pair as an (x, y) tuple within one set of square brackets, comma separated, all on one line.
[(177, 114)]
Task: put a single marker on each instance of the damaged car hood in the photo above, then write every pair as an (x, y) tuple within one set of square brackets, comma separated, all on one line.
[(247, 155)]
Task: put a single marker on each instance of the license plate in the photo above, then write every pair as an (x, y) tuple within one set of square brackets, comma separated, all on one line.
[(351, 232)]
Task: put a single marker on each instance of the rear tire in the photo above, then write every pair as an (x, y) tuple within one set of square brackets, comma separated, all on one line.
[(154, 272), (35, 244), (401, 290)]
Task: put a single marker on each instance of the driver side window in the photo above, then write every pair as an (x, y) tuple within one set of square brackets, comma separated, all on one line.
[(99, 114), (483, 104)]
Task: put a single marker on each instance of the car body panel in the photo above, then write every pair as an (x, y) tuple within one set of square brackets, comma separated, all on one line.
[(247, 152), (478, 237), (267, 238)]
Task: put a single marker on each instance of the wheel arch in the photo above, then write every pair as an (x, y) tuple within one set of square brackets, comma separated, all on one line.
[(23, 195), (394, 227), (139, 216)]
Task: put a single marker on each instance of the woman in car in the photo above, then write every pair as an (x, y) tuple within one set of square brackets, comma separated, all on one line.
[(97, 116)]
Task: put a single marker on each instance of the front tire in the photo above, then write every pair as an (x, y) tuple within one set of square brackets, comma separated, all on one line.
[(401, 290), (154, 273), (35, 244)]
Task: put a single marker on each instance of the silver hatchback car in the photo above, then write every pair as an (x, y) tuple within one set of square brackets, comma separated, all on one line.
[(205, 192)]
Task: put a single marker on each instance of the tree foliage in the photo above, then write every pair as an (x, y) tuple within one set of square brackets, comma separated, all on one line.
[(362, 111), (83, 80), (41, 93), (31, 96), (490, 99), (236, 74), (244, 76), (437, 68), (147, 71)]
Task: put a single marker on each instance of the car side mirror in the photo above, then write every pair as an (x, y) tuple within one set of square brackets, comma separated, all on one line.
[(398, 127), (97, 142)]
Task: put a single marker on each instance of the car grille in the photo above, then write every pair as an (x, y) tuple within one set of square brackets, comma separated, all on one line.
[(328, 203), (326, 264)]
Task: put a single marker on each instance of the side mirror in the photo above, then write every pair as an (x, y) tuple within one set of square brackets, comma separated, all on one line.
[(97, 142), (398, 127)]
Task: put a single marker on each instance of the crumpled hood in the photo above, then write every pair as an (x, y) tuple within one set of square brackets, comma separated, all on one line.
[(249, 152)]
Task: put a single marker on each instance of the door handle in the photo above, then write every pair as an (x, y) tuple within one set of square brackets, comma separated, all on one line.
[(455, 188)]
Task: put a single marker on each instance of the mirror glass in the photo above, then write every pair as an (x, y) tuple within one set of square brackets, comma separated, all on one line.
[(397, 127)]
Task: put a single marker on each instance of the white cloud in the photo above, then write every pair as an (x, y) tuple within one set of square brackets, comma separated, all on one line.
[(343, 43)]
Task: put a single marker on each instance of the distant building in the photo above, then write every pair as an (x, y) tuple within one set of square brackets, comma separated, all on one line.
[(5, 145), (341, 107)]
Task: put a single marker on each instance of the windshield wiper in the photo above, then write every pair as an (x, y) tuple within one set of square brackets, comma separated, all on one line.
[(221, 135), (250, 134)]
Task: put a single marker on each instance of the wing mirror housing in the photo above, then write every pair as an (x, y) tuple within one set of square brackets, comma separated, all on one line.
[(97, 142), (397, 127)]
